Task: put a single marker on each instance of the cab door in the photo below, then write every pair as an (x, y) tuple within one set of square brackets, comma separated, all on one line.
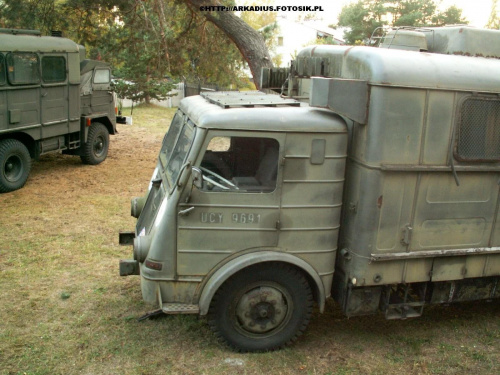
[(54, 94), (238, 207), (23, 95)]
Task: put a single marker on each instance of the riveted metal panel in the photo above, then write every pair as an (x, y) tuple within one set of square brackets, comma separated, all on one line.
[(311, 199), (395, 126), (347, 97), (27, 101), (449, 216), (440, 122), (395, 211)]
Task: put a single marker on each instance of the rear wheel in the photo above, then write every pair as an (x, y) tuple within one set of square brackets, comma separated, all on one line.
[(96, 148), (15, 165), (262, 308)]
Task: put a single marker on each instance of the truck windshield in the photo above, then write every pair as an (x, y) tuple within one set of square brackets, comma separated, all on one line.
[(175, 147)]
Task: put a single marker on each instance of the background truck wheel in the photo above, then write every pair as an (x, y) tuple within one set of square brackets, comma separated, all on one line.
[(95, 150), (15, 164), (262, 308)]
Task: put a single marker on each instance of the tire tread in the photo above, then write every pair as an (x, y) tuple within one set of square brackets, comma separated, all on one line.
[(276, 267), (5, 146)]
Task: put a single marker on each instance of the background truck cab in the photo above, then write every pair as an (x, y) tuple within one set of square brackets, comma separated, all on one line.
[(51, 98), (383, 192)]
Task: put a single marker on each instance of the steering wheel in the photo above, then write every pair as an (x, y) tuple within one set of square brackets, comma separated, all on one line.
[(228, 184)]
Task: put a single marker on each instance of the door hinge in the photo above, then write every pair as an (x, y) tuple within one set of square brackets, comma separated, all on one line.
[(406, 235), (278, 224)]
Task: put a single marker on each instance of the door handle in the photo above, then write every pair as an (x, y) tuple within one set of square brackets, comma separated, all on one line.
[(186, 211)]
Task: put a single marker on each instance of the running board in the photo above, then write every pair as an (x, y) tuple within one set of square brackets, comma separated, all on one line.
[(180, 308)]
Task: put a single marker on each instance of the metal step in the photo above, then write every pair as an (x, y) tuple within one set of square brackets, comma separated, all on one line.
[(179, 308), (404, 301)]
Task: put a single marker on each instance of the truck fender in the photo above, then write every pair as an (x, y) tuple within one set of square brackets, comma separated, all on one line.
[(232, 267)]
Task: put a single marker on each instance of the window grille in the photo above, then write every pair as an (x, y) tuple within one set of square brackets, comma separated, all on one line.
[(479, 130)]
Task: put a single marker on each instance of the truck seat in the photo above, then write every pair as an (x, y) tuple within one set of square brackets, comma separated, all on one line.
[(265, 176)]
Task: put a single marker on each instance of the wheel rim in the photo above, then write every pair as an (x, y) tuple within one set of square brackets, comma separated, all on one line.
[(13, 168), (98, 146), (262, 310)]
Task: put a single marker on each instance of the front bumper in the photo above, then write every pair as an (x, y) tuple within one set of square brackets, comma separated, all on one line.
[(128, 266)]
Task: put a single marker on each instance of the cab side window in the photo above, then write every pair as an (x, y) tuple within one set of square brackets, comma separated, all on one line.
[(53, 69), (2, 70), (241, 164), (23, 68)]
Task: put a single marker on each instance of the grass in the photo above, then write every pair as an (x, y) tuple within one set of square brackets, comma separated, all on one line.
[(65, 310)]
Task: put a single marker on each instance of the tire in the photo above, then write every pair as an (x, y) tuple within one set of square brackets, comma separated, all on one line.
[(96, 148), (262, 308), (15, 165)]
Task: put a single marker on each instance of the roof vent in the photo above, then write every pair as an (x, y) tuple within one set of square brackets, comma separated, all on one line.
[(56, 33)]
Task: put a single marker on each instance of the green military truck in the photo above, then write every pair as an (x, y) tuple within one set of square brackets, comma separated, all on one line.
[(51, 99), (383, 192)]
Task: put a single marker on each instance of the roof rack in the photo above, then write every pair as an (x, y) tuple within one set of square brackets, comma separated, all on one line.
[(233, 99)]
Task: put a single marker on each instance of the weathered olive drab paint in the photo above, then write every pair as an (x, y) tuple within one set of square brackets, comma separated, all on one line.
[(374, 202)]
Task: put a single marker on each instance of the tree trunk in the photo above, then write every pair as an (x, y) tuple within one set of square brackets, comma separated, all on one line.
[(247, 40)]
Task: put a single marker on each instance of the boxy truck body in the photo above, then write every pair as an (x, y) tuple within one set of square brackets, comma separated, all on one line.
[(388, 198), (51, 98)]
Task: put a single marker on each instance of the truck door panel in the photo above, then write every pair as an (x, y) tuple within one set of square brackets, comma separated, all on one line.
[(451, 216), (228, 221), (54, 94), (54, 110), (101, 99), (23, 97)]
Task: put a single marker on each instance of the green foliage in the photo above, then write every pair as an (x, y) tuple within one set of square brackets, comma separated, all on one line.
[(258, 20), (364, 16), (150, 44), (143, 90), (494, 20), (41, 15)]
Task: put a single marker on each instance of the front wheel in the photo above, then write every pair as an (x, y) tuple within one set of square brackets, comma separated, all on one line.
[(264, 307), (15, 165), (96, 148)]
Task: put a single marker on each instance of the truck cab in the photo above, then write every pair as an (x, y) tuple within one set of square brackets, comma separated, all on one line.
[(231, 190)]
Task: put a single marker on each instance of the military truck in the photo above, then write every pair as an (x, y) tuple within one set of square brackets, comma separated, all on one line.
[(51, 99), (383, 192)]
